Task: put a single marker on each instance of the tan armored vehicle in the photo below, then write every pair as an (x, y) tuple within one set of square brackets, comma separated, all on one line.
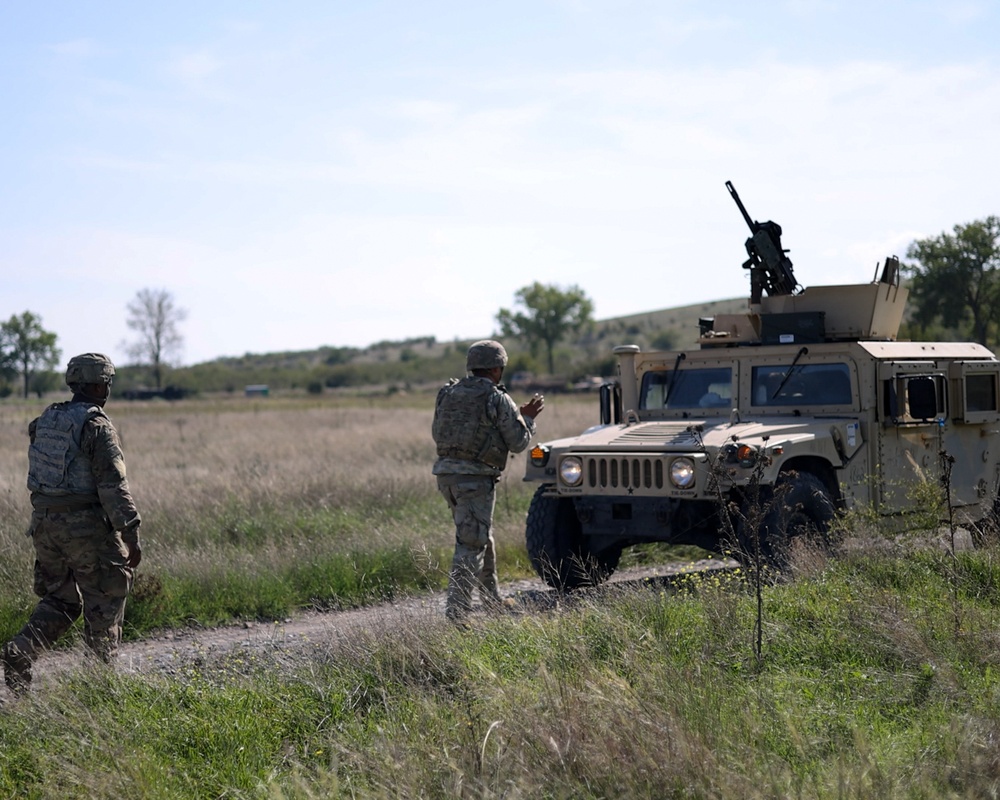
[(809, 390)]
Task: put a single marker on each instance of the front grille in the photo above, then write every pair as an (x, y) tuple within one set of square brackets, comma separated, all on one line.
[(624, 472)]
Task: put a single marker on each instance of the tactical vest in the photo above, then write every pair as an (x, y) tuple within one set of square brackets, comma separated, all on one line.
[(465, 424), (56, 464)]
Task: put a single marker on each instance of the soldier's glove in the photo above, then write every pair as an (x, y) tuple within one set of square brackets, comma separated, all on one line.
[(130, 538), (134, 554)]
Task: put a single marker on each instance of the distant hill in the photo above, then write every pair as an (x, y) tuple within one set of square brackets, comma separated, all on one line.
[(424, 360), (682, 321), (641, 329)]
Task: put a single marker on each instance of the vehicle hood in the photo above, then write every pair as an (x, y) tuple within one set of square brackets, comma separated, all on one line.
[(688, 434)]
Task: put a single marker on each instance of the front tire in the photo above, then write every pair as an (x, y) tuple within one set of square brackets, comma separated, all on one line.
[(798, 510), (557, 547)]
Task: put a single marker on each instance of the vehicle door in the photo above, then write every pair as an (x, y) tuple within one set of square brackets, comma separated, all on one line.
[(930, 412)]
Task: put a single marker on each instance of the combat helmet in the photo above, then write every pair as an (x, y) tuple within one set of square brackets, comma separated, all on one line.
[(89, 368), (486, 354)]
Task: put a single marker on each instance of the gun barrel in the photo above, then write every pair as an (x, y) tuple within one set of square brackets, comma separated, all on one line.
[(739, 204)]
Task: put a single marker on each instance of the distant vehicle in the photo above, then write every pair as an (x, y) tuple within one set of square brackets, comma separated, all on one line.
[(166, 393), (808, 390), (592, 383), (530, 382)]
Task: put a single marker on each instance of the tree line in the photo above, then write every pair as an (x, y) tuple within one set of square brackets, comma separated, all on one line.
[(954, 281), (29, 351)]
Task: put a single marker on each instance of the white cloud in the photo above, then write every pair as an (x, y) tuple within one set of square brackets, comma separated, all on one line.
[(76, 48), (194, 66)]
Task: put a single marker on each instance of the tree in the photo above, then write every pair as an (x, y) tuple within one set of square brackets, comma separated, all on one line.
[(957, 278), (28, 346), (8, 367), (549, 314), (155, 317)]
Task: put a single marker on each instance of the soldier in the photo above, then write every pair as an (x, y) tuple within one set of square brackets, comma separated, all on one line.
[(84, 525), (476, 426)]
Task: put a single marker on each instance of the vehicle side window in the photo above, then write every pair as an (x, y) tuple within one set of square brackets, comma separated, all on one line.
[(981, 392), (914, 398), (688, 388), (806, 385)]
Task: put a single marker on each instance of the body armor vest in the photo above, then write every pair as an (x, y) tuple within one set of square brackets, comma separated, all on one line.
[(464, 424), (56, 465)]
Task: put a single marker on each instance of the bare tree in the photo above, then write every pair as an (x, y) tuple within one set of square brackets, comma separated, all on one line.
[(154, 316)]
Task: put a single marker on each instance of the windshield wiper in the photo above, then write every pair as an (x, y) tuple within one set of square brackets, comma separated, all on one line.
[(791, 369), (673, 378)]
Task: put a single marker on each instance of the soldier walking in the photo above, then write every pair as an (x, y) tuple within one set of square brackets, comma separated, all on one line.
[(476, 427), (84, 524)]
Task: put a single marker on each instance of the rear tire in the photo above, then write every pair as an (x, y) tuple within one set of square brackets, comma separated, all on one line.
[(557, 547)]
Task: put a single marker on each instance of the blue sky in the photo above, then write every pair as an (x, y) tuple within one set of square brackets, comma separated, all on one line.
[(332, 173)]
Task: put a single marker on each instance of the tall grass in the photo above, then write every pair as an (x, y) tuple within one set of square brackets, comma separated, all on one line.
[(255, 507), (865, 689), (876, 674)]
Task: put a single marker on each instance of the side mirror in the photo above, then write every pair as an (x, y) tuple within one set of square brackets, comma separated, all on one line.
[(611, 403)]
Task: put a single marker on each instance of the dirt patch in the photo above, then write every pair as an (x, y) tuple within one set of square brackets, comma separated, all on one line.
[(175, 652)]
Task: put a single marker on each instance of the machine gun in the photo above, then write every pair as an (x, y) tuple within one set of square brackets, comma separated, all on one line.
[(770, 269)]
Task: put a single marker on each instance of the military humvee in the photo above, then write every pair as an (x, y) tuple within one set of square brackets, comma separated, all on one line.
[(809, 390)]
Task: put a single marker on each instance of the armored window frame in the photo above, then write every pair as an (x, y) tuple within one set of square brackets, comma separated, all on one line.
[(977, 385), (904, 393)]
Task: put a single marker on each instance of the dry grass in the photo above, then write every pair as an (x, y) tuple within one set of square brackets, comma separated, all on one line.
[(242, 486), (878, 677), (185, 457)]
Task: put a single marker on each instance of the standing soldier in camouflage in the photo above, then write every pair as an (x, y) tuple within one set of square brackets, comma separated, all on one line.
[(476, 427), (84, 525)]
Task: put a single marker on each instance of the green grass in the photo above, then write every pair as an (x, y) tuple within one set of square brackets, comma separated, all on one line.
[(254, 509), (266, 564), (877, 674), (878, 677)]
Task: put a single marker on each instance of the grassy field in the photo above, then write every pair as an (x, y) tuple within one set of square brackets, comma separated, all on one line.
[(255, 507), (878, 674)]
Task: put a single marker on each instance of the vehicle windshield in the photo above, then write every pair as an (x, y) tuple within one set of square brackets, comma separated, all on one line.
[(806, 385), (688, 388)]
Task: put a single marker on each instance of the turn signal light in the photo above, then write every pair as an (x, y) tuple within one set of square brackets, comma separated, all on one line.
[(746, 455), (539, 455)]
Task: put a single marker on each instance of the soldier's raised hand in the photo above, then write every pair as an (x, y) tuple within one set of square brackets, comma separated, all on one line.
[(533, 407)]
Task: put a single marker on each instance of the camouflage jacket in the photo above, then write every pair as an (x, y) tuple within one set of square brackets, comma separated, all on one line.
[(100, 447), (476, 426)]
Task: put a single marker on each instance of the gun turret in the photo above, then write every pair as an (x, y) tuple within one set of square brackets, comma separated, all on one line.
[(770, 269)]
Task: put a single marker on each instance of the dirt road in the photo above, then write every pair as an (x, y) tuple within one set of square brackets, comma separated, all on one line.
[(175, 650)]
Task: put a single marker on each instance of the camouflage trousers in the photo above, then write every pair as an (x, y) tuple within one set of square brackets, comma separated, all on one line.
[(79, 568), (474, 566)]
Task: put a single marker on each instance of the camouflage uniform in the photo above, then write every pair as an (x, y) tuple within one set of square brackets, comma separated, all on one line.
[(85, 529), (476, 427)]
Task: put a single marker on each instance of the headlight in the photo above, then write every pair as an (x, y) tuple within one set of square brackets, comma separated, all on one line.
[(682, 473), (571, 470)]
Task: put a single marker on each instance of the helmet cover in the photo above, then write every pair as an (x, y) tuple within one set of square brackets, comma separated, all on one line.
[(486, 354), (89, 368)]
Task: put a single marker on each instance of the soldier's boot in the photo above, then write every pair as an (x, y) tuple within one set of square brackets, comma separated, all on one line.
[(458, 603), (495, 604), (16, 669)]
